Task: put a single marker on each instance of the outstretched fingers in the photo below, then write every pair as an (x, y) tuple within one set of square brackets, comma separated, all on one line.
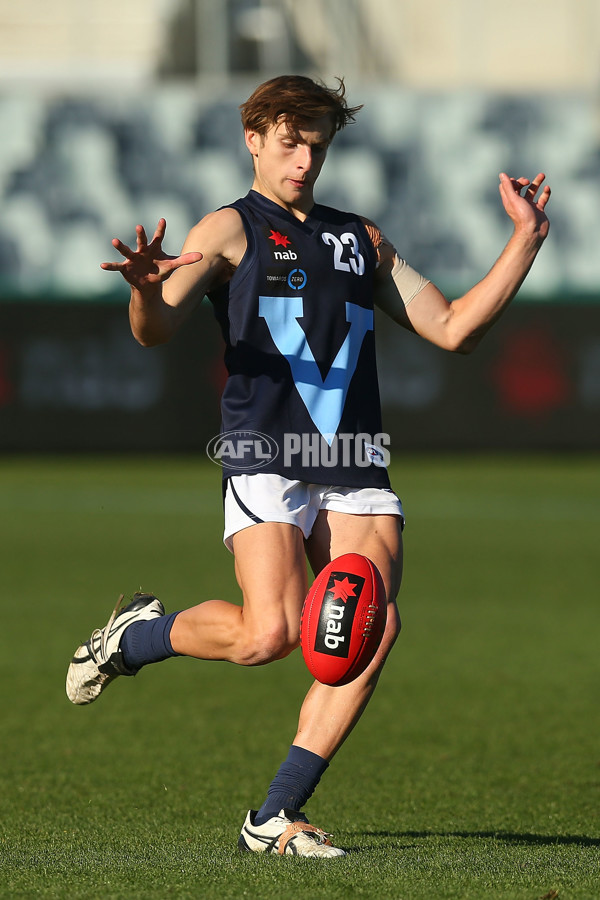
[(186, 259), (532, 186), (148, 262), (124, 250), (544, 197), (510, 185), (160, 231), (142, 240), (524, 200), (536, 182), (535, 186), (171, 263), (157, 238)]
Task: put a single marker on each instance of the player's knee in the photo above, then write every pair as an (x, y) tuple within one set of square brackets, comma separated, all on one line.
[(394, 623), (392, 630), (268, 645), (393, 626)]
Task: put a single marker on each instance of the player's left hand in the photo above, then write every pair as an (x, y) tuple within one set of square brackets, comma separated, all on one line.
[(527, 210)]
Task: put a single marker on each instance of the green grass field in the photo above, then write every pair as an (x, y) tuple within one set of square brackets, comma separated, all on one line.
[(475, 773)]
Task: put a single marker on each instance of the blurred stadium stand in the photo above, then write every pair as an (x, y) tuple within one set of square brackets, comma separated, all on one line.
[(75, 172), (105, 126), (114, 113)]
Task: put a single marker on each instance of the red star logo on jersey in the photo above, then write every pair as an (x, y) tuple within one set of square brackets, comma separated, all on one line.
[(342, 589), (280, 239)]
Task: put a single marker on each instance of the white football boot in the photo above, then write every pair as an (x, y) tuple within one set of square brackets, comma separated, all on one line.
[(100, 660), (288, 834)]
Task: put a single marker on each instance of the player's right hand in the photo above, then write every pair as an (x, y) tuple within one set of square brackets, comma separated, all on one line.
[(148, 264)]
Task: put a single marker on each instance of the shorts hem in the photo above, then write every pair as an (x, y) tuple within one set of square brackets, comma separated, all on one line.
[(368, 509), (282, 520)]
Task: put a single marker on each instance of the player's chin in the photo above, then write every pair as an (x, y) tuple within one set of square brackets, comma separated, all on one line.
[(299, 188)]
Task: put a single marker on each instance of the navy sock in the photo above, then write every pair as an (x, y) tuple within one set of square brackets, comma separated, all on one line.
[(294, 783), (147, 642)]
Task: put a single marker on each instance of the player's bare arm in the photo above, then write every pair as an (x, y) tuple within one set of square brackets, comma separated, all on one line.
[(460, 325), (396, 283), (165, 289)]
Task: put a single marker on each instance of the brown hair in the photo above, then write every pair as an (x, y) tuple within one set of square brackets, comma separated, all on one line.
[(298, 100)]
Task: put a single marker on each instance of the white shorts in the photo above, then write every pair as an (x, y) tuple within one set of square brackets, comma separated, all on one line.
[(251, 499)]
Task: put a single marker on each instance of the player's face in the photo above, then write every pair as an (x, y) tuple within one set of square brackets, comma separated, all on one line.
[(286, 166)]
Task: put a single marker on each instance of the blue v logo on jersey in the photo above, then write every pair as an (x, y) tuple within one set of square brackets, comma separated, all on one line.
[(324, 398)]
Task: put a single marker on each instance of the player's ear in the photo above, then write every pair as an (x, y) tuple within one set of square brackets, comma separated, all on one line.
[(253, 140)]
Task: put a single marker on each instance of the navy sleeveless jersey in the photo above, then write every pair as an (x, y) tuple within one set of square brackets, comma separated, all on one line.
[(301, 398)]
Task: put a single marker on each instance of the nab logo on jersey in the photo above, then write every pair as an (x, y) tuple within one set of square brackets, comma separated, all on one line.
[(281, 240)]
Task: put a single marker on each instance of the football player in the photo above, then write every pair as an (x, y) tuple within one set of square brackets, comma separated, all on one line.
[(293, 285)]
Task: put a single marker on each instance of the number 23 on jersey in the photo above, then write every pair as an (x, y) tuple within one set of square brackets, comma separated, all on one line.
[(356, 262)]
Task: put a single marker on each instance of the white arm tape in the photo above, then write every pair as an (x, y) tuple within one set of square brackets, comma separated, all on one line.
[(407, 280), (408, 284)]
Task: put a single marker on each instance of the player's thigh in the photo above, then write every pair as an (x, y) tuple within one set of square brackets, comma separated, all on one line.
[(270, 567), (377, 536)]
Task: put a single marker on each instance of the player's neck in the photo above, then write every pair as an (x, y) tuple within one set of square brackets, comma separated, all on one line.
[(300, 208)]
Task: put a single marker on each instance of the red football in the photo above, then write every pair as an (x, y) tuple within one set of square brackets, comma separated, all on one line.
[(343, 619)]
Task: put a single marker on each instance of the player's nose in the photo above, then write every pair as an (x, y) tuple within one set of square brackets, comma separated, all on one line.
[(305, 157)]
